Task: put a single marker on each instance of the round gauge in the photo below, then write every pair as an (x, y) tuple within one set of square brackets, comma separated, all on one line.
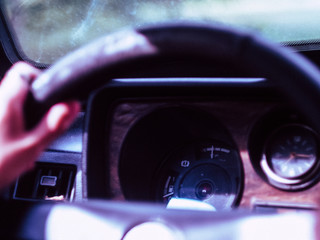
[(209, 172), (208, 183), (291, 151)]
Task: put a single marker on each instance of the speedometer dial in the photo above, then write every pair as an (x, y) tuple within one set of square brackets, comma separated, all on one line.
[(292, 151)]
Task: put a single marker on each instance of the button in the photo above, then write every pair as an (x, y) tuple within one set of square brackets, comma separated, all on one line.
[(48, 181)]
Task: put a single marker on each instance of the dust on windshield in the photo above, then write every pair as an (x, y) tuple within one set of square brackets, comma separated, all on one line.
[(46, 30)]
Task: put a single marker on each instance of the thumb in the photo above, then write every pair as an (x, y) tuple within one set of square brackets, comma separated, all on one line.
[(55, 122)]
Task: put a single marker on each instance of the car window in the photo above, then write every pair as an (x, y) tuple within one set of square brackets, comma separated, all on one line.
[(46, 30)]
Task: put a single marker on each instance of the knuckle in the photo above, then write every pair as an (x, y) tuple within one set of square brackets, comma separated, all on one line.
[(23, 71)]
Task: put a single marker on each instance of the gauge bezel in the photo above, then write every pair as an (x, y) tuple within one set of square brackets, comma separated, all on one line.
[(235, 175), (300, 182)]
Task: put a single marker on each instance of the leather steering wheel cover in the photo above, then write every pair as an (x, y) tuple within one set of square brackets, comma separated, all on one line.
[(80, 71)]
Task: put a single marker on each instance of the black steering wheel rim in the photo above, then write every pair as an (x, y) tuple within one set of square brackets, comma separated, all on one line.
[(93, 65)]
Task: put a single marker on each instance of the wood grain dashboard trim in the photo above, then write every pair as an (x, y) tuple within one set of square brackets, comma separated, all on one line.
[(239, 117)]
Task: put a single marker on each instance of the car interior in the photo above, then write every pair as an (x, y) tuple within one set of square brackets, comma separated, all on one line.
[(188, 129)]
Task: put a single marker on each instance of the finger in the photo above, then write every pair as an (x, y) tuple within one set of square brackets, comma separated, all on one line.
[(16, 81), (13, 91), (56, 121)]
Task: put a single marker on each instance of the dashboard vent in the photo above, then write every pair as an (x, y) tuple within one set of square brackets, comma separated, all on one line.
[(46, 182)]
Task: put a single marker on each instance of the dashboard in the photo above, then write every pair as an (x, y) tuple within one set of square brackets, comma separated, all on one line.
[(240, 147), (216, 145)]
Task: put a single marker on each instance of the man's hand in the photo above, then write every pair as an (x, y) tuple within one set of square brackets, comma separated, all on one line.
[(20, 148)]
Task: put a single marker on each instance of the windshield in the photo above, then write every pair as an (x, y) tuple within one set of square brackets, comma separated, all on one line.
[(46, 30)]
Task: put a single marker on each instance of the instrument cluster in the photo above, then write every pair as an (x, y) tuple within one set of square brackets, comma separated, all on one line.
[(224, 154)]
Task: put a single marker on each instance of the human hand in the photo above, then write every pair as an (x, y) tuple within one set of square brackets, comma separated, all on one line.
[(20, 148)]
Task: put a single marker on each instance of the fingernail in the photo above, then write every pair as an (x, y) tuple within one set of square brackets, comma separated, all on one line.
[(56, 116)]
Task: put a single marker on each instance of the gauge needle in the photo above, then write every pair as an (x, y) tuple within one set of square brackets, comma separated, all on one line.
[(294, 156), (167, 195), (301, 155), (291, 157)]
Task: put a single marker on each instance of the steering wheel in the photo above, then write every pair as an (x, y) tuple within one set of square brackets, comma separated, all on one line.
[(93, 65)]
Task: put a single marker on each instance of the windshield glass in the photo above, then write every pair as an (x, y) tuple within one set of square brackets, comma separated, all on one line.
[(46, 30)]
